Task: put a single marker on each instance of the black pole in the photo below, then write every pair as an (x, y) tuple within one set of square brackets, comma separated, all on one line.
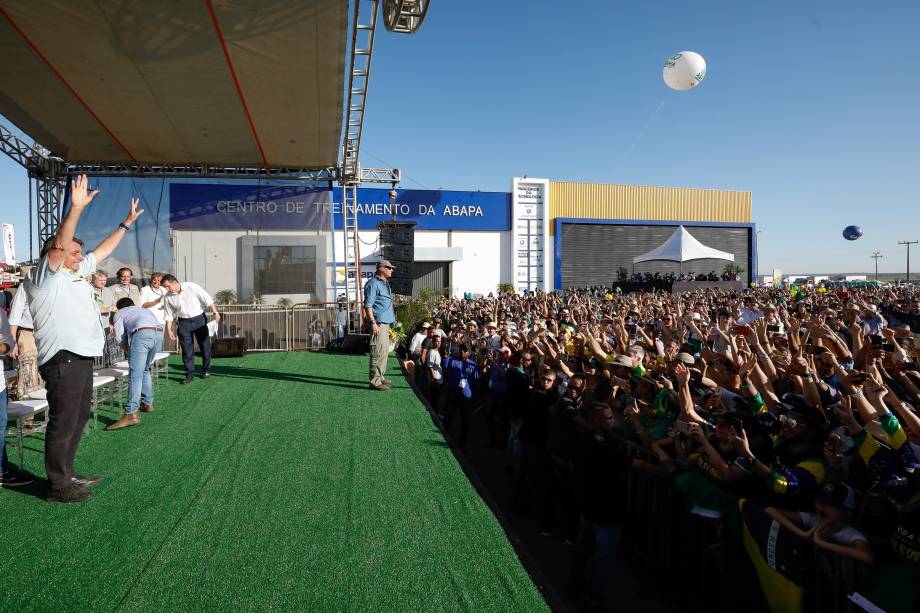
[(908, 244), (30, 221)]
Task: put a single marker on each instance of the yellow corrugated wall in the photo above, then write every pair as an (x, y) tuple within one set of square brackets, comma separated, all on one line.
[(610, 201)]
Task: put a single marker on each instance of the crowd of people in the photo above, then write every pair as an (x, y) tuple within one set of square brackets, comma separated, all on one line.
[(670, 277), (803, 401), (64, 318)]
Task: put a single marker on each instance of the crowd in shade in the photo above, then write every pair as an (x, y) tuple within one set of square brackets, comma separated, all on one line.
[(800, 403), (649, 277)]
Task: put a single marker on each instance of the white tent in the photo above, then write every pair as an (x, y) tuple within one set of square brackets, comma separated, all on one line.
[(682, 247)]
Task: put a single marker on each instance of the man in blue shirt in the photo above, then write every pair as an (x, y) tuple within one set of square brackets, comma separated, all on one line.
[(138, 332), (378, 309)]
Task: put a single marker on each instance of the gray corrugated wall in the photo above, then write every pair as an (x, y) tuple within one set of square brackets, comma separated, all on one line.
[(592, 253), (430, 275)]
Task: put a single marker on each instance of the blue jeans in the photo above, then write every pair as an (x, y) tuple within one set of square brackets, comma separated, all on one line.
[(140, 356), (606, 547), (158, 345), (2, 431)]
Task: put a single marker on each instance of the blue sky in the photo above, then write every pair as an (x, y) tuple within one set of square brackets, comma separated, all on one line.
[(809, 105)]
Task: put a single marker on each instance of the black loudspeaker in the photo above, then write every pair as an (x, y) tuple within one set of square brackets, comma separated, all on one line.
[(401, 286), (397, 253), (356, 343), (397, 244), (397, 232), (228, 347)]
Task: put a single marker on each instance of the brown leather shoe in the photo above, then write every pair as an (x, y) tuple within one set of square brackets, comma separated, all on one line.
[(146, 408), (380, 388), (387, 382), (130, 419)]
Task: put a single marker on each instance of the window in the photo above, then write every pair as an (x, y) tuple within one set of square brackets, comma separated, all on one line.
[(284, 270)]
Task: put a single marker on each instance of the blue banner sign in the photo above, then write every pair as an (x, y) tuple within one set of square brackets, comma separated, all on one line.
[(264, 207), (432, 209), (211, 206)]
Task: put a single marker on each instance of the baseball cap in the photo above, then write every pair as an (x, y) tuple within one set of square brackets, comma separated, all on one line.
[(686, 358), (385, 264), (837, 494), (622, 360), (426, 325)]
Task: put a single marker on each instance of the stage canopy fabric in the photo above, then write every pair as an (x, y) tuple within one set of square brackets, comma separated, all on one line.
[(682, 247), (231, 82)]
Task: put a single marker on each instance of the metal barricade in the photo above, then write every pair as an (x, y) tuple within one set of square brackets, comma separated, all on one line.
[(315, 324), (664, 537), (264, 327)]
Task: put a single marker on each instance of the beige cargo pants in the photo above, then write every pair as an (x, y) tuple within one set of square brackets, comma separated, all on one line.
[(380, 351)]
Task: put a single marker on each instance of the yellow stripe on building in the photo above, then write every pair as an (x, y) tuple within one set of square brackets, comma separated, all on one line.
[(612, 201)]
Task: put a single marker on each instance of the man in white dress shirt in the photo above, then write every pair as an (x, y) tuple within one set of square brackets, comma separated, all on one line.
[(153, 298), (68, 336), (185, 304)]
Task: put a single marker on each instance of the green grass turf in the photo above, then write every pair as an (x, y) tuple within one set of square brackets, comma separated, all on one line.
[(281, 483)]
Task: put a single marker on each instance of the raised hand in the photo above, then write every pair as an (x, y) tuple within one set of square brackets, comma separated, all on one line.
[(133, 213), (79, 196)]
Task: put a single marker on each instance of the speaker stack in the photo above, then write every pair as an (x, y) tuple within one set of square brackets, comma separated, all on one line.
[(397, 244)]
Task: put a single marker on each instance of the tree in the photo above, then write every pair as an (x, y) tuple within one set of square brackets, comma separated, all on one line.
[(505, 288), (733, 269), (225, 296), (285, 302)]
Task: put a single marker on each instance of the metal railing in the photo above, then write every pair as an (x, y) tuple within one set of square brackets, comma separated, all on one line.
[(305, 326), (663, 536)]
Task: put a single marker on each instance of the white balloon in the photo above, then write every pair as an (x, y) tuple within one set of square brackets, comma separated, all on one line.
[(684, 70)]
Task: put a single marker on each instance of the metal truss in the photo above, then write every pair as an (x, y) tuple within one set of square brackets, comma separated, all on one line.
[(404, 16), (37, 160), (359, 70), (331, 173), (118, 169), (49, 192)]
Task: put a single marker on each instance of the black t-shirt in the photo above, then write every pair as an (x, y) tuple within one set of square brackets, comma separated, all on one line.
[(601, 476), (519, 383), (563, 433), (535, 429)]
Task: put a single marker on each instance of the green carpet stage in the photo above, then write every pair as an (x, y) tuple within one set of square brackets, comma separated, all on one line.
[(281, 483)]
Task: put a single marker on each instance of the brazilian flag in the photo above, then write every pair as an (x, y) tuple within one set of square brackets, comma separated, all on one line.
[(778, 556)]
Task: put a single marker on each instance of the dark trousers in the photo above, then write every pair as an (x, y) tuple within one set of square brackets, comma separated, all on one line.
[(69, 383), (191, 330)]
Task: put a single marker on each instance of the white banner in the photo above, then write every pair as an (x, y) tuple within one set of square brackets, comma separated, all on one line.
[(9, 245), (530, 234)]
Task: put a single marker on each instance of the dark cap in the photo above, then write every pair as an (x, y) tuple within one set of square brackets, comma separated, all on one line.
[(385, 264)]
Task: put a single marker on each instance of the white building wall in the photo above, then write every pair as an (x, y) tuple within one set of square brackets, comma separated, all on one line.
[(483, 266), (211, 258)]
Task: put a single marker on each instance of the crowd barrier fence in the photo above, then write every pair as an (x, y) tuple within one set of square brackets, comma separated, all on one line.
[(304, 326), (698, 555)]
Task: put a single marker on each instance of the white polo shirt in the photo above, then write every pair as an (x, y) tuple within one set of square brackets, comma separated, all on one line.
[(189, 302), (6, 338), (19, 310), (63, 310), (148, 294)]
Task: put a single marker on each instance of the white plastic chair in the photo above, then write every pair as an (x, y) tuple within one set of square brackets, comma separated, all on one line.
[(120, 376), (160, 364), (18, 411)]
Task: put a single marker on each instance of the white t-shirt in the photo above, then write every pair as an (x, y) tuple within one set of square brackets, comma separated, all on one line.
[(6, 338), (148, 294), (415, 347), (189, 302), (844, 536), (434, 363), (19, 310), (63, 310)]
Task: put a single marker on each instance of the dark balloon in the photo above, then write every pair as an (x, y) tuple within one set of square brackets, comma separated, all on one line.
[(851, 233)]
